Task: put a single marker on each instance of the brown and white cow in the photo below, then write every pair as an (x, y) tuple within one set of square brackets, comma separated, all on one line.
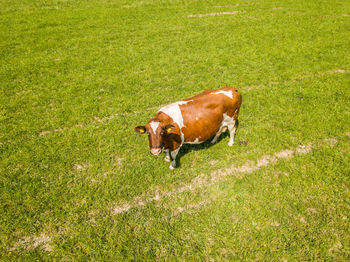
[(193, 121)]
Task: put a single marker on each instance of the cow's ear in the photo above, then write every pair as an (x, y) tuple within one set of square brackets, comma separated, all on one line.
[(140, 129), (169, 129)]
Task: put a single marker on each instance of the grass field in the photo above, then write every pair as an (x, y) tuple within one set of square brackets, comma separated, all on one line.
[(77, 183)]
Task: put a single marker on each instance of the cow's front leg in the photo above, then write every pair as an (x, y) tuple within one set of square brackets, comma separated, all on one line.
[(173, 155), (167, 155)]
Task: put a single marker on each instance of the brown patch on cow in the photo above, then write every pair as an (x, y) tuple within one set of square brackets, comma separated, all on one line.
[(216, 14), (215, 104)]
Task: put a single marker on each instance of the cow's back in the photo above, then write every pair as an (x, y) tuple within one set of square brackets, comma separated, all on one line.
[(203, 114)]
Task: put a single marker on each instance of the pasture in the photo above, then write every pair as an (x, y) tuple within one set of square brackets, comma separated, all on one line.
[(76, 181)]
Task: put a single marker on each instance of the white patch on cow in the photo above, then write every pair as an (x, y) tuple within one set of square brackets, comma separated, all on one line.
[(196, 118), (195, 142), (154, 125), (227, 120), (230, 123), (226, 93), (173, 110)]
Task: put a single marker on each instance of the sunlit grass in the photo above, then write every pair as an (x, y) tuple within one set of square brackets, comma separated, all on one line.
[(77, 77)]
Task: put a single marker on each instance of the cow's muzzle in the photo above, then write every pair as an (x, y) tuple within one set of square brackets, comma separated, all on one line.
[(156, 150)]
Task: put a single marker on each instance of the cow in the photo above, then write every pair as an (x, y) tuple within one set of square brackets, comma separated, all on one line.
[(193, 121)]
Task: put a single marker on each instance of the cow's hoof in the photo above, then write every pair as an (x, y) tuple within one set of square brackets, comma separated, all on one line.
[(230, 143), (172, 165), (213, 142), (167, 159)]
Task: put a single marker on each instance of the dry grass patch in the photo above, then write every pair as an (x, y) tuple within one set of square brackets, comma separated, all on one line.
[(216, 176), (188, 208), (42, 241)]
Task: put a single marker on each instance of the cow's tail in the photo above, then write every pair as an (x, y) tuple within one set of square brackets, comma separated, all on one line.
[(236, 103)]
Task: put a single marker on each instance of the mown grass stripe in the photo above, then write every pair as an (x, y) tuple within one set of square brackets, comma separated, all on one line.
[(245, 88), (216, 176), (227, 12), (216, 14)]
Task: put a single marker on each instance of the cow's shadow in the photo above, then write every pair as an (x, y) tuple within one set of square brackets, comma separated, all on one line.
[(187, 148)]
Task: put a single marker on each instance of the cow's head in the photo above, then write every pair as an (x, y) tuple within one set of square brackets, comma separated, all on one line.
[(157, 133)]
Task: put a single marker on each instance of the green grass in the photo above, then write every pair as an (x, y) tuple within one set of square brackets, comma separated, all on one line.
[(77, 76)]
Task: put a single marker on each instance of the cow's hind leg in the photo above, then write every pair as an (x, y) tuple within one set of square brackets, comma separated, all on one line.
[(217, 135), (232, 127)]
